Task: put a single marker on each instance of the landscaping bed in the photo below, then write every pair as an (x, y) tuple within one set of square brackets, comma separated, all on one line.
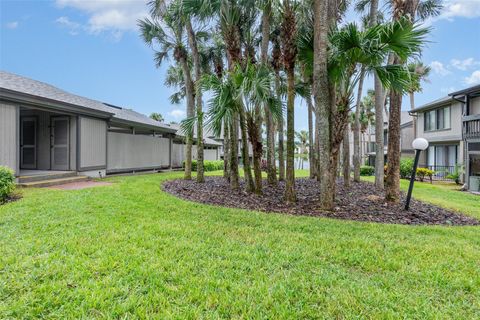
[(361, 202)]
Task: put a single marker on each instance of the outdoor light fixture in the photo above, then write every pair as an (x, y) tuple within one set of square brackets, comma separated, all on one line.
[(419, 145)]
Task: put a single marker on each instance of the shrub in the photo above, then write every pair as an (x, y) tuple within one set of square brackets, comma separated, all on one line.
[(7, 183), (406, 167), (367, 170), (422, 173), (208, 165), (456, 174)]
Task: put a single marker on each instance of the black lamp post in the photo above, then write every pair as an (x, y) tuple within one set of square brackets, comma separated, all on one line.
[(419, 145)]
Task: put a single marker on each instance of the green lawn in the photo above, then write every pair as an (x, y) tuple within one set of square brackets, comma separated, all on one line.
[(131, 251)]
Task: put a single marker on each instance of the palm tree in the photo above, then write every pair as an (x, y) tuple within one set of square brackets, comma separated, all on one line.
[(350, 47), (156, 116), (276, 65), (401, 10), (302, 141), (166, 32), (266, 7), (289, 54)]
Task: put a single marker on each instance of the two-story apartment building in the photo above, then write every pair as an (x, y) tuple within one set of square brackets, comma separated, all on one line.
[(452, 127), (470, 100)]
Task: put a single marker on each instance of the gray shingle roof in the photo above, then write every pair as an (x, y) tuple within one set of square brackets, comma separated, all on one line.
[(40, 89)]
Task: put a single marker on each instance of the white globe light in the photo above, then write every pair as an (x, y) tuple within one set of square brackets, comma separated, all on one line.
[(420, 144)]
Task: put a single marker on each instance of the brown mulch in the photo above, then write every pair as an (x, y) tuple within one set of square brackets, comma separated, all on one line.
[(361, 202)]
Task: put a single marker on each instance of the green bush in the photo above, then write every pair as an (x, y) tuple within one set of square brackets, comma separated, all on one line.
[(456, 174), (423, 173), (406, 167), (7, 183), (208, 165), (367, 170)]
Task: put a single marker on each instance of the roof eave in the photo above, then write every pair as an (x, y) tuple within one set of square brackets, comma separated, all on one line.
[(431, 106), (33, 100), (142, 125), (465, 91)]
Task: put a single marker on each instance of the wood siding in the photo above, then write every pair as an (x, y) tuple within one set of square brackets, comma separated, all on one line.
[(136, 152), (9, 145), (93, 143)]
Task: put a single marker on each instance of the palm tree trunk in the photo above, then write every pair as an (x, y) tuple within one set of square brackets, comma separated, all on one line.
[(226, 150), (269, 124), (281, 141), (190, 113), (392, 183), (247, 170), (356, 130), (323, 104), (311, 147), (290, 195), (346, 157), (379, 152), (234, 175), (254, 135), (379, 102), (198, 96)]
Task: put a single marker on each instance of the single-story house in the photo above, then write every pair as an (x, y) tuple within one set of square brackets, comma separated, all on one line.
[(44, 128)]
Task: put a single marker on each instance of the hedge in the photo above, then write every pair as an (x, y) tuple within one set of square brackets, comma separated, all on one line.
[(208, 165), (7, 183)]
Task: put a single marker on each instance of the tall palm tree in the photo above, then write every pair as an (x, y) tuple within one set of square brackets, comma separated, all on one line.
[(401, 10), (289, 55), (350, 47), (418, 73), (277, 65), (266, 7), (166, 33)]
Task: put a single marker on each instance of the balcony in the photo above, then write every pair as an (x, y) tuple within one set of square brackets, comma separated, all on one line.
[(471, 126)]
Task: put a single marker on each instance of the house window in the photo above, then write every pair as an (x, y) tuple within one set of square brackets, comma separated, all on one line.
[(442, 156), (437, 119)]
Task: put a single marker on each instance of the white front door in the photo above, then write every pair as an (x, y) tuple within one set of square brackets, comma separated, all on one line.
[(60, 143)]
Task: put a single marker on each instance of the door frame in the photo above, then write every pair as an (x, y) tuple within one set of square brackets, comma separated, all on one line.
[(35, 118), (52, 139)]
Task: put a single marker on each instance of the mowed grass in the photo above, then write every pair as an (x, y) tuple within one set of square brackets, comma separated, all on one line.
[(132, 251), (443, 194)]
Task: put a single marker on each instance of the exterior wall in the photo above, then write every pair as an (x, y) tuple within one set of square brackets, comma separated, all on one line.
[(475, 106), (452, 134), (406, 139), (210, 154), (130, 152), (9, 136), (178, 155), (92, 144)]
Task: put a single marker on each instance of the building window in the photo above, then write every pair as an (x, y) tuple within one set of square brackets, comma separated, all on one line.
[(437, 119), (442, 156)]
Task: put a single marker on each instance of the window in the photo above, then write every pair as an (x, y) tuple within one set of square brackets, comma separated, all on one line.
[(442, 156), (437, 119)]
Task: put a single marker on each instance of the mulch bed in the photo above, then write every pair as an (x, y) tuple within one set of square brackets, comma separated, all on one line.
[(361, 202)]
